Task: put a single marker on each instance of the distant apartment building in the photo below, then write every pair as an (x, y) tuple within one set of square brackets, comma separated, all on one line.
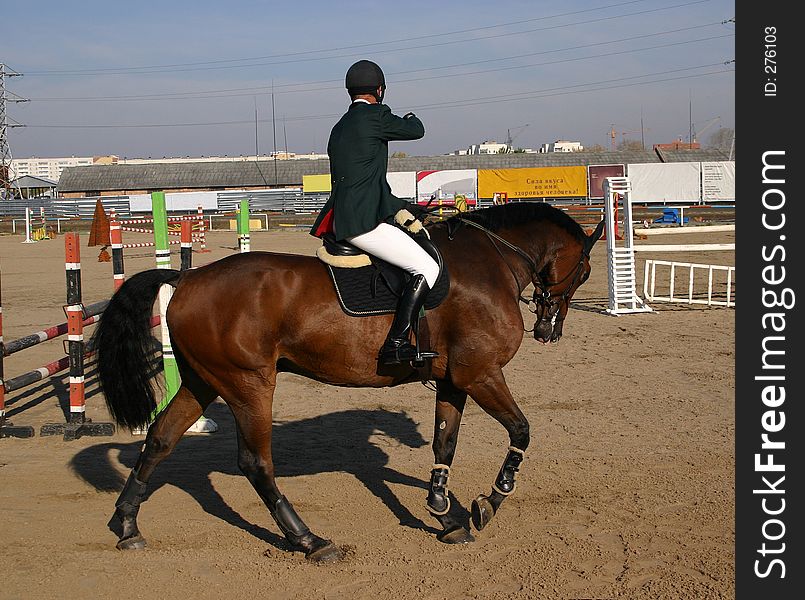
[(51, 168), (488, 147), (562, 146)]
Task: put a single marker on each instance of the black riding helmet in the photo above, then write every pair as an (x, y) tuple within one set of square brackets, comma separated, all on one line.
[(364, 77)]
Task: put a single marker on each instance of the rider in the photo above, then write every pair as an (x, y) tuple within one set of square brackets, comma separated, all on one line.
[(361, 207)]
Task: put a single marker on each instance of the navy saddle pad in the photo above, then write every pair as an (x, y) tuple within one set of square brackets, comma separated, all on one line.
[(375, 289)]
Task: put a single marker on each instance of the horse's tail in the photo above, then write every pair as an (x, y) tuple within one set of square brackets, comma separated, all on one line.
[(124, 345)]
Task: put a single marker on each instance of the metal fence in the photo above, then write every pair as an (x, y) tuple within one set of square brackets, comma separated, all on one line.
[(284, 201)]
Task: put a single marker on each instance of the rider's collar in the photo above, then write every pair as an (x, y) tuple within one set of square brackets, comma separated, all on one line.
[(356, 100)]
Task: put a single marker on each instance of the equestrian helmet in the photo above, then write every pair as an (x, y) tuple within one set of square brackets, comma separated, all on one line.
[(364, 77)]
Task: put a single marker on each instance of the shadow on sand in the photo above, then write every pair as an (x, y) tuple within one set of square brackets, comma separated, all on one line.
[(335, 442)]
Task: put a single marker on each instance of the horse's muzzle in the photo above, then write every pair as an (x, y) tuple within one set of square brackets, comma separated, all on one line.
[(543, 331)]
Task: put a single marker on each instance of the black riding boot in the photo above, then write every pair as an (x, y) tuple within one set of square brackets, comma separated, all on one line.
[(398, 347)]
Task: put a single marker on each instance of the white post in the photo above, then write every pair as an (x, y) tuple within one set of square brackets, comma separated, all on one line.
[(28, 239), (621, 273)]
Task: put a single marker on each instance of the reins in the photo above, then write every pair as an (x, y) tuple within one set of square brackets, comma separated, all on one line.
[(542, 299)]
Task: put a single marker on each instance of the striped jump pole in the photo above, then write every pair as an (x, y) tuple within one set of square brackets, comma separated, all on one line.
[(163, 260), (202, 230), (92, 315), (187, 246), (7, 428), (116, 241), (78, 424), (244, 240)]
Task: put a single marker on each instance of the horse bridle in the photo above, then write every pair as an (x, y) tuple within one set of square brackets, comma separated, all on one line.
[(542, 298)]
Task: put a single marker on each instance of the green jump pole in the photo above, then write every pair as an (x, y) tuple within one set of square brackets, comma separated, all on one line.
[(244, 240), (161, 246), (163, 259)]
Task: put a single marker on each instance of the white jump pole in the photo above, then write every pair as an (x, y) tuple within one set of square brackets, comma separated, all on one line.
[(28, 239)]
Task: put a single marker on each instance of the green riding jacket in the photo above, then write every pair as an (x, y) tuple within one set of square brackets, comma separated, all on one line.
[(361, 196)]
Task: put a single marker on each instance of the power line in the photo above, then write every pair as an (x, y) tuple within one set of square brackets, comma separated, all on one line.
[(335, 49), (607, 84), (181, 68), (236, 92), (5, 149)]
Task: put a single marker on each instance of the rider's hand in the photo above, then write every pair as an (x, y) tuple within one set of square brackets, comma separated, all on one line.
[(417, 210)]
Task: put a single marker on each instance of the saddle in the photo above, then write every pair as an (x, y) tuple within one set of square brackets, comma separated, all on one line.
[(367, 286)]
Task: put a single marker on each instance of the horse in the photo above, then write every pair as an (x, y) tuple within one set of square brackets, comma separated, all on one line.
[(239, 321)]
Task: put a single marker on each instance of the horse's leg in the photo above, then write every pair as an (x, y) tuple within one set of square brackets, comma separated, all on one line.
[(449, 408), (163, 434), (493, 395), (254, 423)]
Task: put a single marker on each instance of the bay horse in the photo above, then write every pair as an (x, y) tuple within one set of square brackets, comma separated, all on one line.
[(237, 322)]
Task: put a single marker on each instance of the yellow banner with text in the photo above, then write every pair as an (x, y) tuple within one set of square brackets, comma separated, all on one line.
[(538, 182)]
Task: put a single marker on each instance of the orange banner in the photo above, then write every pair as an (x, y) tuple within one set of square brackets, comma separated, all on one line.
[(540, 182)]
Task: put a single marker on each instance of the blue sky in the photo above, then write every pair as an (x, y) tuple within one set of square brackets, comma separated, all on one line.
[(186, 78)]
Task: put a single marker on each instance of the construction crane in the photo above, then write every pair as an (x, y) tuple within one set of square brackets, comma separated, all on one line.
[(709, 124), (510, 137), (613, 134)]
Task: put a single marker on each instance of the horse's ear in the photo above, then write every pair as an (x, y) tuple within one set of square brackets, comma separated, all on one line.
[(594, 237)]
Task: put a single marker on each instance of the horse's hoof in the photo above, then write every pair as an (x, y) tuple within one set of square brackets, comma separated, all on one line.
[(482, 512), (328, 553), (455, 535), (136, 542)]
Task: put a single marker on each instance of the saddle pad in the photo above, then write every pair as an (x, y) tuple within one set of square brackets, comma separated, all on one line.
[(364, 292)]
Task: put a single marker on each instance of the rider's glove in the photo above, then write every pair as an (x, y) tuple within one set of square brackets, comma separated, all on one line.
[(409, 222)]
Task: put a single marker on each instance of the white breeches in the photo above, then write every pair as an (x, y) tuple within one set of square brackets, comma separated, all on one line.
[(393, 245)]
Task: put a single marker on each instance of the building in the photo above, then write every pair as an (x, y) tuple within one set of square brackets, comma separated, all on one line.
[(167, 176), (489, 147), (51, 168), (279, 154), (29, 186), (678, 145), (562, 146)]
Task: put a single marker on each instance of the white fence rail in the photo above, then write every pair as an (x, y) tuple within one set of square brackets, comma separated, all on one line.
[(711, 298)]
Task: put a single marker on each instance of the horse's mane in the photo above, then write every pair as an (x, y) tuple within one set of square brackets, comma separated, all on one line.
[(503, 216)]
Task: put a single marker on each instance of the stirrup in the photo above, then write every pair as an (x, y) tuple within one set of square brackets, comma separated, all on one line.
[(405, 353), (394, 355), (422, 357)]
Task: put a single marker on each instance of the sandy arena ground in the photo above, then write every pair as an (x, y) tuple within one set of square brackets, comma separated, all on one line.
[(626, 491)]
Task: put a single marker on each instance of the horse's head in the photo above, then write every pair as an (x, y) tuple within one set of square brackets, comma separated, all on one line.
[(556, 283)]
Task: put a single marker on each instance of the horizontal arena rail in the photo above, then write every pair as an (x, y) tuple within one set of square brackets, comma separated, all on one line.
[(650, 277), (682, 247)]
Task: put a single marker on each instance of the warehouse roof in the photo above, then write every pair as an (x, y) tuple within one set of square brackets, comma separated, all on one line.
[(284, 173)]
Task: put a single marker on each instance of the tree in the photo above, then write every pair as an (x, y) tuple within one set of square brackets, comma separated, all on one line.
[(723, 140), (399, 155), (595, 148), (630, 146)]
